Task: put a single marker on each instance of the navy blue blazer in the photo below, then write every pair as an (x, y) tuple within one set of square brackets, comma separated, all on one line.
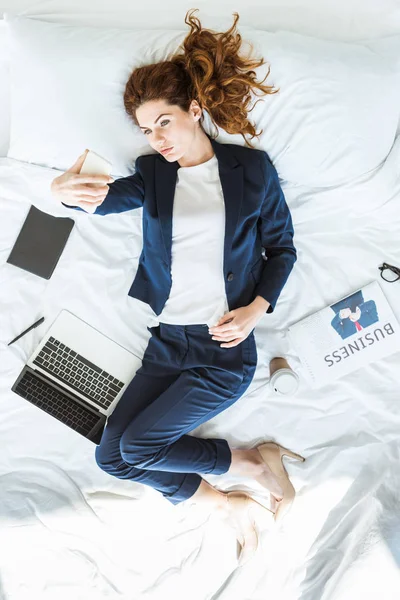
[(257, 217)]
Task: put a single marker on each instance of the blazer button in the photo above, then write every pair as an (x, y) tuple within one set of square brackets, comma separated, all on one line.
[(230, 276)]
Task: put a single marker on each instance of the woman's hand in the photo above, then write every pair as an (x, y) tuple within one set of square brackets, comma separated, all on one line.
[(235, 326), (85, 191)]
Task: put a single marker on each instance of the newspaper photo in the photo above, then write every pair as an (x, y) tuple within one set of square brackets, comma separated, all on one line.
[(345, 336)]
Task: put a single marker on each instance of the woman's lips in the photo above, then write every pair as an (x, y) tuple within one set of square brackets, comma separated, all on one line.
[(167, 151)]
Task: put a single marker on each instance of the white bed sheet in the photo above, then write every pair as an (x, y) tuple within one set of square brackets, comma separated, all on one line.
[(69, 530), (330, 19)]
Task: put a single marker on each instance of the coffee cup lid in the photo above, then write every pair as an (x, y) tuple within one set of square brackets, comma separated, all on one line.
[(285, 381)]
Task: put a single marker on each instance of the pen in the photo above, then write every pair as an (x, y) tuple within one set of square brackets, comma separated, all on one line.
[(26, 330)]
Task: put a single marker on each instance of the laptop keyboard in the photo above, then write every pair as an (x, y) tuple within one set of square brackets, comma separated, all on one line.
[(56, 404), (79, 373)]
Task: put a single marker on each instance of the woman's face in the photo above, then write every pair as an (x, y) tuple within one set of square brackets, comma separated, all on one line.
[(177, 128)]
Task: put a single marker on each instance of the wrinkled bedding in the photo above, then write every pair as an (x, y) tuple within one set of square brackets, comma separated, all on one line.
[(70, 530)]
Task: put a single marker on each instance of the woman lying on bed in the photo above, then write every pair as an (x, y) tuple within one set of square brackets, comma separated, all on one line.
[(208, 211)]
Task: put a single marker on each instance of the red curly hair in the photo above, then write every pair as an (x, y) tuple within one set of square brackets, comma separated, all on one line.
[(210, 71)]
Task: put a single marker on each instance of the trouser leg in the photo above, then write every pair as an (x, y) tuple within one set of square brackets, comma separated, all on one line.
[(146, 437)]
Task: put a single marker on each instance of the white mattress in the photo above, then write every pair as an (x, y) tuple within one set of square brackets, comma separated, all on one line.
[(69, 530)]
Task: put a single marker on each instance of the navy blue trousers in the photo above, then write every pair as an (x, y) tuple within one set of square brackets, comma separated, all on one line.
[(185, 379)]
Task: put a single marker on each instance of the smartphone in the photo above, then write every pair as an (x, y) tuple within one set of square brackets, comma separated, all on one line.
[(94, 164)]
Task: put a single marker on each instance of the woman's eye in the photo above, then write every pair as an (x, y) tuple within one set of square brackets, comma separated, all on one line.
[(166, 121)]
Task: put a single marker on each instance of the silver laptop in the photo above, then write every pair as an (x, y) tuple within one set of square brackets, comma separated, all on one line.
[(77, 375)]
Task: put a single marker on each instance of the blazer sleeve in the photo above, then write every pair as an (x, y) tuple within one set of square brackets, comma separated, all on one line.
[(276, 228), (125, 194)]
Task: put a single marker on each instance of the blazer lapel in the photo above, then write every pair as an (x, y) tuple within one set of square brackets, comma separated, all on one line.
[(231, 176)]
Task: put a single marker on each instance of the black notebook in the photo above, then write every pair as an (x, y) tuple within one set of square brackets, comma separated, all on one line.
[(40, 242)]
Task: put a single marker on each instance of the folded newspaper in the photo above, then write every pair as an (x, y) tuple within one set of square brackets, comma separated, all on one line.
[(345, 336)]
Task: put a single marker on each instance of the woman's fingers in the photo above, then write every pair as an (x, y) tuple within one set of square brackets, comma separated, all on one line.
[(73, 199), (88, 206), (77, 166), (88, 191), (89, 199), (76, 200), (75, 189), (83, 178), (223, 335)]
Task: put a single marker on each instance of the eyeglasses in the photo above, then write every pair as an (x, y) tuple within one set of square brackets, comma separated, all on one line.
[(389, 272)]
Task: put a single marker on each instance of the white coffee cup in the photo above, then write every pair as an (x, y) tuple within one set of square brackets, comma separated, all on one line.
[(283, 380)]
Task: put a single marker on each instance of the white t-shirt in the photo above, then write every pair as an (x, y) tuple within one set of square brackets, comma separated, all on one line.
[(198, 228)]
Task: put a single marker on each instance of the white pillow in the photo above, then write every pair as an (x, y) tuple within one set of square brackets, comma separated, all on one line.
[(67, 85), (389, 49), (4, 92), (335, 117), (337, 111)]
